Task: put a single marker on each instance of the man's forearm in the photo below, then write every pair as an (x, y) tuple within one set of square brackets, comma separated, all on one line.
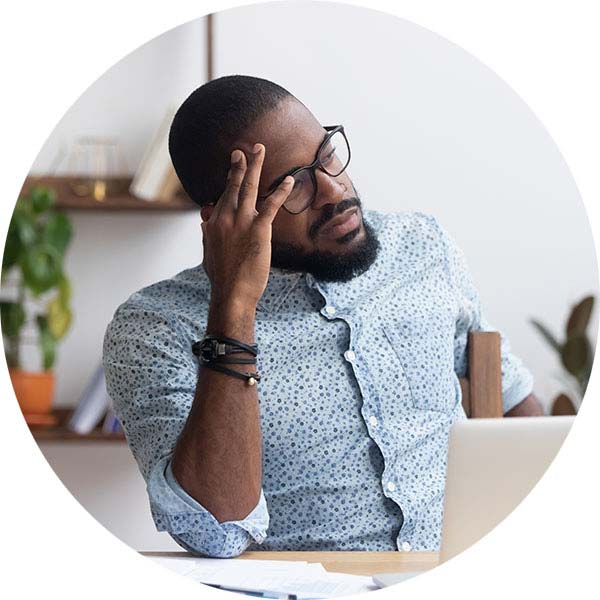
[(218, 457), (528, 407)]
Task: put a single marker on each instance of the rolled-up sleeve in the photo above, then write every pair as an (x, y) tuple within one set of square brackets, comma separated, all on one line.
[(151, 375), (517, 380)]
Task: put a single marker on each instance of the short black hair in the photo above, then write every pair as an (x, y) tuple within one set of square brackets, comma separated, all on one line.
[(208, 122)]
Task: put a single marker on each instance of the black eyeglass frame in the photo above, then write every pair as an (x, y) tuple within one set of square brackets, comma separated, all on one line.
[(332, 130)]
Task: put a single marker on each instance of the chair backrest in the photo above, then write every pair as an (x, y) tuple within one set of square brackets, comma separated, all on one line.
[(482, 388)]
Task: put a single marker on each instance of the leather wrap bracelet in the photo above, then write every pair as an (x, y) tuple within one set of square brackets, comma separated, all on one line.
[(213, 349)]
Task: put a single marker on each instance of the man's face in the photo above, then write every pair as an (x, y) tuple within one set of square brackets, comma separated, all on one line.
[(301, 242)]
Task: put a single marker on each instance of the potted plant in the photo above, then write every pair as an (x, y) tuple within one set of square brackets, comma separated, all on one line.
[(576, 354), (32, 271)]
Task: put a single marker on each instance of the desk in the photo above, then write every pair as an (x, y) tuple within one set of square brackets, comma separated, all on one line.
[(355, 563)]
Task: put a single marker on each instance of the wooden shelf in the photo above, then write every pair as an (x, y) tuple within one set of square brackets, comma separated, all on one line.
[(121, 200), (60, 433)]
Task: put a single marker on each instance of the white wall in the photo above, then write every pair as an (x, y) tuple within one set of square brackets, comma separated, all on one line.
[(114, 254), (433, 129), (104, 479)]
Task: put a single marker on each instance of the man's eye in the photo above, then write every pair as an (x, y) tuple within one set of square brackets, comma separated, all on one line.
[(329, 156)]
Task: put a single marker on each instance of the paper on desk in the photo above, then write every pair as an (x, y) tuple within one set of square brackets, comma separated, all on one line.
[(306, 580), (309, 581), (184, 565), (180, 565)]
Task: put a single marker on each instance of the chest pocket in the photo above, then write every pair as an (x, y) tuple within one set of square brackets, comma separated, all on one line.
[(419, 325)]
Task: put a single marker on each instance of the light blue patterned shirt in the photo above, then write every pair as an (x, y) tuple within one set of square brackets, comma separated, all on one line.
[(359, 390)]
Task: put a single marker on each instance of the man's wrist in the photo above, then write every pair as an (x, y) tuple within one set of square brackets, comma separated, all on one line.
[(233, 318)]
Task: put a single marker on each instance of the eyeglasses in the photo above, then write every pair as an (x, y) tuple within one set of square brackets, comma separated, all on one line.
[(332, 158)]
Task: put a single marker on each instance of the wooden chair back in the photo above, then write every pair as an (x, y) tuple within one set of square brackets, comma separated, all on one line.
[(482, 388)]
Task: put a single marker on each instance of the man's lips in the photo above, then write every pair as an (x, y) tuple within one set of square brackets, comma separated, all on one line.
[(342, 224)]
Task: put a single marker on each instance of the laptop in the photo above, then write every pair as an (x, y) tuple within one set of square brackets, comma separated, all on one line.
[(492, 465)]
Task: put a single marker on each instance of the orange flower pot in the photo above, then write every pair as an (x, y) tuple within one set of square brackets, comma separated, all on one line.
[(34, 391)]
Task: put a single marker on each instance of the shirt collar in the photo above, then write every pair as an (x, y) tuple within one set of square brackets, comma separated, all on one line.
[(279, 285)]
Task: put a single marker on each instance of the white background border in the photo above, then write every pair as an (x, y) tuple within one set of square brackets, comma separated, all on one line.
[(547, 51)]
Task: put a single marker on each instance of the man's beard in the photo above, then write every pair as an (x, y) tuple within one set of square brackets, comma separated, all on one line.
[(328, 266)]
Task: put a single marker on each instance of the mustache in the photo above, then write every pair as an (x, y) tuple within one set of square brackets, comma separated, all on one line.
[(330, 212)]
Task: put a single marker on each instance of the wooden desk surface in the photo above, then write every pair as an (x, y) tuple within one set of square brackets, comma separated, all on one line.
[(355, 563)]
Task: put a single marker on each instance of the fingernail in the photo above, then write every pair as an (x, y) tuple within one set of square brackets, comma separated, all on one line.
[(236, 156), (257, 148)]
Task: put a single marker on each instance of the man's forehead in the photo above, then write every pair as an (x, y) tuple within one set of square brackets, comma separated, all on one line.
[(290, 133)]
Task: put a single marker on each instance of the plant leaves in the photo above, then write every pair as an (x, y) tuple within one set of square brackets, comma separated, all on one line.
[(575, 354), (47, 343), (12, 250), (546, 334), (57, 232), (580, 317), (12, 317), (59, 317), (64, 290), (21, 235), (42, 268), (41, 198)]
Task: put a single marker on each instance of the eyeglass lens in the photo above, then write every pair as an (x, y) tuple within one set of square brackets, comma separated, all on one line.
[(333, 157)]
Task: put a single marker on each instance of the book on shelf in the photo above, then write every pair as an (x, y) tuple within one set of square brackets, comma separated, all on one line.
[(155, 178), (92, 406)]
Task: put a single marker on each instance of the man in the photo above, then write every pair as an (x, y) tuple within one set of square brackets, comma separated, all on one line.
[(325, 424)]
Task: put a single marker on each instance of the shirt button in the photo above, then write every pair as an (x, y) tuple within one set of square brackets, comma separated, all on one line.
[(406, 547), (373, 420), (310, 280), (330, 310), (349, 355), (390, 486)]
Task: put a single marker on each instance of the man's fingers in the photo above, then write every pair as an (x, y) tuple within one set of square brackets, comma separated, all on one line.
[(249, 187), (275, 200), (235, 178)]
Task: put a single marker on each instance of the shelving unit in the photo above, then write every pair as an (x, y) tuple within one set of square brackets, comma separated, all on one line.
[(60, 433), (123, 201)]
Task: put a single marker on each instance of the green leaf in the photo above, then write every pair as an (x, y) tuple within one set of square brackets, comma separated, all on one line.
[(21, 235), (24, 225), (546, 334), (41, 268), (41, 198), (575, 354), (580, 317), (59, 317), (12, 317), (47, 343), (12, 250), (64, 290), (57, 232)]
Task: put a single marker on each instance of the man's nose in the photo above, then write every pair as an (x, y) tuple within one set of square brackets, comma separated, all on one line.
[(330, 190)]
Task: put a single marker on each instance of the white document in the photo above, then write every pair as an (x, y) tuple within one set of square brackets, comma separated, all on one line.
[(306, 580)]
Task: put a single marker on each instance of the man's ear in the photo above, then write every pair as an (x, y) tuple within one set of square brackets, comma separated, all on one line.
[(206, 211)]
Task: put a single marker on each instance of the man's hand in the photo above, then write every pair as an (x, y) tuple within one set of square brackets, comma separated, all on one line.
[(528, 407), (237, 238)]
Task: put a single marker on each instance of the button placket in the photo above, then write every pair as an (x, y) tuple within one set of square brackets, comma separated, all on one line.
[(349, 355)]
